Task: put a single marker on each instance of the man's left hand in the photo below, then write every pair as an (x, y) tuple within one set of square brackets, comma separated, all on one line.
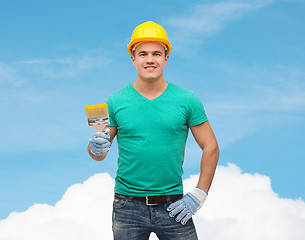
[(187, 206)]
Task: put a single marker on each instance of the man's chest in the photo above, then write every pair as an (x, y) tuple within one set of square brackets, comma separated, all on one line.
[(134, 119)]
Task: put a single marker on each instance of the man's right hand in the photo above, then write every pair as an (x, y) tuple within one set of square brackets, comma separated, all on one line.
[(99, 143)]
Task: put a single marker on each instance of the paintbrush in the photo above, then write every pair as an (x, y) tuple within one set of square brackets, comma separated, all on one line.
[(97, 116)]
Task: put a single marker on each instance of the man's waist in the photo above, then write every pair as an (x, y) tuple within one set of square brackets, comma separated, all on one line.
[(154, 200)]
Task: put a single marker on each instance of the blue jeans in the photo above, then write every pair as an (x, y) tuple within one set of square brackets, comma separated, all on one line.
[(134, 220)]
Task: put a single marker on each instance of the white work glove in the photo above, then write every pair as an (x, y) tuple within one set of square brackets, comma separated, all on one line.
[(188, 205), (99, 143)]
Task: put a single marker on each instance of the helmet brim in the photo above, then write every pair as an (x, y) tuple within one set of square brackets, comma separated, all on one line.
[(149, 39)]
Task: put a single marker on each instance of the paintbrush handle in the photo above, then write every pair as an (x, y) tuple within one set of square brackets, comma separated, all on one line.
[(99, 127)]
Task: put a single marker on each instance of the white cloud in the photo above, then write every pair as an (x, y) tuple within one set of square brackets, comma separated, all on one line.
[(205, 20), (69, 67), (31, 72), (259, 97), (84, 212), (244, 206), (239, 206), (9, 76), (48, 61), (49, 96), (6, 72)]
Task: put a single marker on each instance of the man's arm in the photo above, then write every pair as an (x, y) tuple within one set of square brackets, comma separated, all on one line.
[(192, 201), (112, 133), (206, 140)]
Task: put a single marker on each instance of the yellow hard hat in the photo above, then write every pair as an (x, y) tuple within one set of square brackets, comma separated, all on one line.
[(146, 32)]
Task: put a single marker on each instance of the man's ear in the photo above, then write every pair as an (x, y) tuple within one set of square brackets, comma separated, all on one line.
[(132, 59), (166, 57)]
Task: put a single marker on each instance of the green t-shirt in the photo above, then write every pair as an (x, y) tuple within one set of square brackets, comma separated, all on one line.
[(151, 136)]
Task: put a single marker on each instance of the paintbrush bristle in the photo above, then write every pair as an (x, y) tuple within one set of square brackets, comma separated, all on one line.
[(97, 114), (98, 110)]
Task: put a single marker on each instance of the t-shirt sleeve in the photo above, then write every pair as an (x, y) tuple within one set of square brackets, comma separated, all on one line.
[(111, 113), (196, 113)]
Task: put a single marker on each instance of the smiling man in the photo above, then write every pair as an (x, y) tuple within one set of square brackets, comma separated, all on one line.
[(151, 119), (150, 62)]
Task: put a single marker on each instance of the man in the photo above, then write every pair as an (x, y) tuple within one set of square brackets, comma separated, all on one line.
[(151, 119)]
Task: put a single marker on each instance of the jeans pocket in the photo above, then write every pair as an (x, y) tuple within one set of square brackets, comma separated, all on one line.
[(119, 201)]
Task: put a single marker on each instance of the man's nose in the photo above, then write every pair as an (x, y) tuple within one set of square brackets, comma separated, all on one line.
[(150, 58)]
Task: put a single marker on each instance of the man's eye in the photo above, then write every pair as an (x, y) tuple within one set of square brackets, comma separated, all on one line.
[(157, 54)]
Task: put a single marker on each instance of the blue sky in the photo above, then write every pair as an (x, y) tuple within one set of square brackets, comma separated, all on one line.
[(244, 59)]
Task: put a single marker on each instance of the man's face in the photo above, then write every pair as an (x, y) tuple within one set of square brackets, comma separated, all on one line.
[(149, 59)]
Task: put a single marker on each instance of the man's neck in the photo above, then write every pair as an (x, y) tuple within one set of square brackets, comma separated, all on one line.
[(150, 89)]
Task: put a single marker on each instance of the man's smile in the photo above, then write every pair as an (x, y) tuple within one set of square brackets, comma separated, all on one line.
[(150, 67)]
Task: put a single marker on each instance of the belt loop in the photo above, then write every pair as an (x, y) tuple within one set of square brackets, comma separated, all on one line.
[(130, 198), (149, 204), (168, 199)]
